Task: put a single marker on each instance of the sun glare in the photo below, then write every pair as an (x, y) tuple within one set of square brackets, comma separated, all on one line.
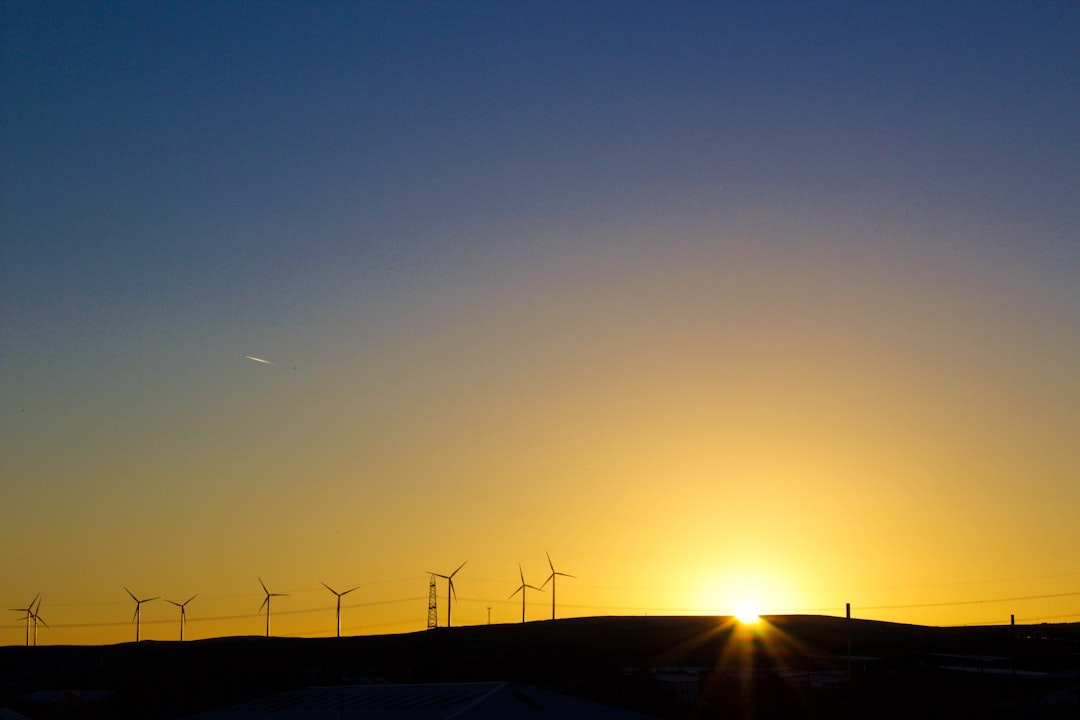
[(743, 593), (747, 615)]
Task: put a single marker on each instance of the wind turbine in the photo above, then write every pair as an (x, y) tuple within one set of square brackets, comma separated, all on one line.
[(266, 604), (183, 612), (37, 619), (138, 611), (451, 592), (522, 591), (551, 579), (29, 610), (339, 596)]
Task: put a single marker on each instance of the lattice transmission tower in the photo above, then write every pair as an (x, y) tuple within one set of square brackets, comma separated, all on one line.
[(432, 607)]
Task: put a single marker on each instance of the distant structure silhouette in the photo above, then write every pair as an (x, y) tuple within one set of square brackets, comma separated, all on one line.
[(183, 612), (29, 610), (266, 604), (551, 579), (138, 611), (521, 589), (339, 596), (451, 592), (432, 605), (37, 619)]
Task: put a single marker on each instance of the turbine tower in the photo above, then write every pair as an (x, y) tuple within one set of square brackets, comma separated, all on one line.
[(37, 619), (183, 612), (29, 610), (339, 596), (521, 590), (266, 604), (551, 579), (451, 592), (138, 611)]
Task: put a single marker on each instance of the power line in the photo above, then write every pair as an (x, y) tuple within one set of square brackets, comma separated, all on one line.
[(1050, 617), (595, 608), (969, 602), (849, 589)]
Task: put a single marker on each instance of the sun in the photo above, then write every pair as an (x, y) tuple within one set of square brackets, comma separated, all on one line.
[(742, 594), (747, 615)]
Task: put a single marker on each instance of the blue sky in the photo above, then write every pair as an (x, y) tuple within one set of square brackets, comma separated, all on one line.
[(213, 147), (687, 245)]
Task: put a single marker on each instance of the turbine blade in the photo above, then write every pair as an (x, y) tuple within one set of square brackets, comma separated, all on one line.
[(264, 586), (330, 588), (131, 594), (458, 568), (520, 589), (191, 598), (350, 590), (173, 602), (566, 575), (549, 561), (265, 602), (550, 578), (521, 573), (452, 590)]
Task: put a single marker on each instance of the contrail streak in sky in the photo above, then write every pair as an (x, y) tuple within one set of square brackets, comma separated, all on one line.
[(258, 360)]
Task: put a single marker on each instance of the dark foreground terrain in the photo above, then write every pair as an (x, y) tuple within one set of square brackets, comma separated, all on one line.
[(678, 667)]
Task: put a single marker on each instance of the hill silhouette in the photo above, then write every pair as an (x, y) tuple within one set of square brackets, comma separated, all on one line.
[(786, 666)]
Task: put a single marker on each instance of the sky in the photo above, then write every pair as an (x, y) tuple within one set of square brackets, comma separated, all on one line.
[(722, 305)]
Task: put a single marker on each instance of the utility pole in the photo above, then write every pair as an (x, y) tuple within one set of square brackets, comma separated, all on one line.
[(432, 608), (1012, 646), (848, 606), (489, 614)]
